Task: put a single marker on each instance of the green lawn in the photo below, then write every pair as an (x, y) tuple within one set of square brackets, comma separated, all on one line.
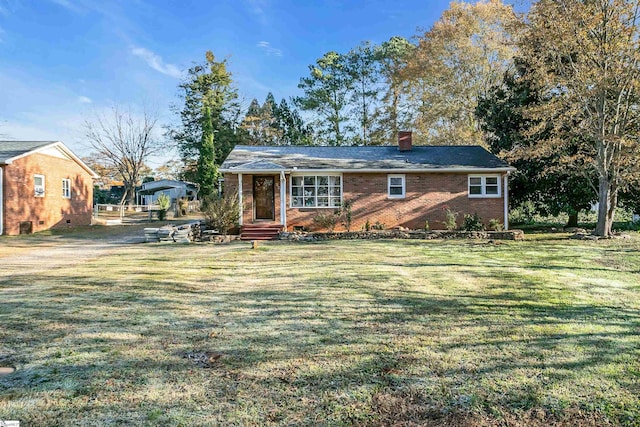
[(540, 332)]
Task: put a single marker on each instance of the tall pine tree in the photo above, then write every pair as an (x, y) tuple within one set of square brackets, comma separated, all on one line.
[(207, 90)]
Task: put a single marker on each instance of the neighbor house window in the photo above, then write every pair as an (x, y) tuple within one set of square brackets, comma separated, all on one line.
[(38, 185), (316, 191), (66, 188), (397, 187), (484, 186)]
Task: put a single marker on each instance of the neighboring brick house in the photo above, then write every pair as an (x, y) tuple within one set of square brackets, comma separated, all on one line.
[(403, 186), (42, 185)]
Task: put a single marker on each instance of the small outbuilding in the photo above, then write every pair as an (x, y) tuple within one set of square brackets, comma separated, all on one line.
[(149, 191)]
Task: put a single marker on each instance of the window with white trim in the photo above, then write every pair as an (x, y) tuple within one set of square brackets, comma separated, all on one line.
[(38, 185), (396, 186), (316, 191), (484, 185), (66, 188)]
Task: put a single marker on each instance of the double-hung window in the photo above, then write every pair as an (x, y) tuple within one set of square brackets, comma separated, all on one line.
[(396, 186), (316, 191), (66, 188), (38, 185), (484, 185)]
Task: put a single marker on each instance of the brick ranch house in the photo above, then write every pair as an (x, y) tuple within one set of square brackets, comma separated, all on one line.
[(287, 186), (42, 185)]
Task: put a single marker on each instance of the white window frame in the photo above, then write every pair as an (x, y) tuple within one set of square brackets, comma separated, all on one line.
[(483, 186), (42, 192), (404, 186), (66, 189), (316, 175)]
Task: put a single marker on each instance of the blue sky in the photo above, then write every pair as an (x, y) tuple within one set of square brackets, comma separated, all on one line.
[(62, 61)]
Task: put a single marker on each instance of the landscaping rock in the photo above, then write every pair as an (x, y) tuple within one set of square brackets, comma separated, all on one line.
[(621, 236), (183, 233), (302, 236), (151, 235), (584, 236), (575, 230)]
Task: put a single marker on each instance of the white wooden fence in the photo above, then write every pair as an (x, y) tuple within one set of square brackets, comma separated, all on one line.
[(124, 213)]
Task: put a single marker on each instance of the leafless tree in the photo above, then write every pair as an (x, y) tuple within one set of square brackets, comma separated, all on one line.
[(125, 141)]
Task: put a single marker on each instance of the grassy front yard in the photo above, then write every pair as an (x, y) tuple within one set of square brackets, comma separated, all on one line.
[(540, 332)]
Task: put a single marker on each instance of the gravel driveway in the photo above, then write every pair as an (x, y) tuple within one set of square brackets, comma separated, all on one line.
[(33, 254)]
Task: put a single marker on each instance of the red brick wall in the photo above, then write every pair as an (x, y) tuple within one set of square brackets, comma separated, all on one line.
[(52, 210), (428, 195)]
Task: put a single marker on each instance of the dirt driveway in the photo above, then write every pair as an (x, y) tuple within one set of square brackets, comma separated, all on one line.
[(41, 252)]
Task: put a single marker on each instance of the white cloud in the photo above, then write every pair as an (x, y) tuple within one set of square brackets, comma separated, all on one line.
[(155, 61), (259, 9), (85, 100), (270, 50)]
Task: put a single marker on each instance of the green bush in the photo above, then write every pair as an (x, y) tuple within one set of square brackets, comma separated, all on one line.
[(164, 203), (378, 226), (183, 206), (327, 221), (473, 223), (346, 215), (450, 219), (221, 213), (524, 213), (495, 224)]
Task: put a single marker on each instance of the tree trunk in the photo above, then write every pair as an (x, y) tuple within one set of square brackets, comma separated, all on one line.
[(606, 208), (573, 219)]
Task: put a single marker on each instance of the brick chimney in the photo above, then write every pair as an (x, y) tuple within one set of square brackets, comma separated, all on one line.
[(404, 140)]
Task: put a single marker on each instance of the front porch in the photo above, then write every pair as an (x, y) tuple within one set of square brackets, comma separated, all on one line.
[(262, 197)]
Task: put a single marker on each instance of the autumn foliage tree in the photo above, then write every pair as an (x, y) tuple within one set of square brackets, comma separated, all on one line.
[(463, 55), (585, 56), (543, 179)]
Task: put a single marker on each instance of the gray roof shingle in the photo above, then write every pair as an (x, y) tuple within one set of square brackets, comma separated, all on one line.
[(11, 149), (255, 158)]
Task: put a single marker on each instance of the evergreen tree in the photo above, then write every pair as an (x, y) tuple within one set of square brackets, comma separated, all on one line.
[(207, 86), (326, 95), (363, 68), (207, 169), (394, 112), (294, 130)]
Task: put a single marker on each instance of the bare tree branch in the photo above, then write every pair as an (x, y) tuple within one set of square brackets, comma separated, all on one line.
[(125, 141)]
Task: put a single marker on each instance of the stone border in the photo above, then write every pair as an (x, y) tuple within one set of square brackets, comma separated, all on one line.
[(301, 236)]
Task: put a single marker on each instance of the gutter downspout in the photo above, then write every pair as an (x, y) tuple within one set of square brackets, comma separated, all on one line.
[(506, 201), (283, 201), (240, 197), (1, 201)]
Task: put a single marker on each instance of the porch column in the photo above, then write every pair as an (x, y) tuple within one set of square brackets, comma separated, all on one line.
[(506, 201), (2, 202), (283, 200), (240, 196)]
